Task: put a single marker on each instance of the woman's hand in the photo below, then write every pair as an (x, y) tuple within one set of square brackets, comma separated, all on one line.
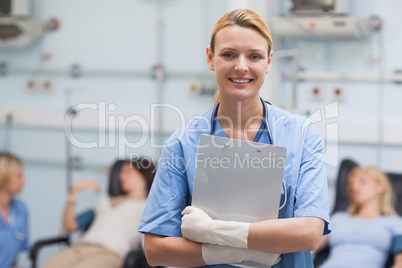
[(197, 226), (84, 185)]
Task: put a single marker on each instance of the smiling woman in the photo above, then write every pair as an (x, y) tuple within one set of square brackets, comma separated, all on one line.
[(176, 234), (257, 47), (240, 62)]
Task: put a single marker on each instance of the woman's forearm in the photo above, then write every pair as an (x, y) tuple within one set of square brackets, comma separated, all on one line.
[(274, 236), (69, 222), (172, 251), (286, 235)]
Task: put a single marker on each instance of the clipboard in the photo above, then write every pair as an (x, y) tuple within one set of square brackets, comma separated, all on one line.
[(238, 180)]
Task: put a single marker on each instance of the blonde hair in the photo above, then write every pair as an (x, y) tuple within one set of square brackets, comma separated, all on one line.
[(9, 165), (243, 18), (387, 198)]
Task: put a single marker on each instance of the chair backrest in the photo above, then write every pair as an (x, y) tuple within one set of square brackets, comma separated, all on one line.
[(341, 199), (114, 181), (396, 180)]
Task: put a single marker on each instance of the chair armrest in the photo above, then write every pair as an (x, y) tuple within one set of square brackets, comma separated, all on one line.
[(396, 246), (321, 256), (45, 242), (136, 259), (85, 219)]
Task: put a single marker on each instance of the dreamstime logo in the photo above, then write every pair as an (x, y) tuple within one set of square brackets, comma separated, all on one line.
[(143, 162), (241, 161), (326, 120), (115, 127), (112, 130)]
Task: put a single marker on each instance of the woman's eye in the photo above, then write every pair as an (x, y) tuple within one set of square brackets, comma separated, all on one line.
[(227, 55), (256, 57)]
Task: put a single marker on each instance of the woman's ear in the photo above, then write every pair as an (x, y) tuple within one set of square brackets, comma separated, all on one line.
[(269, 62), (210, 58), (381, 188)]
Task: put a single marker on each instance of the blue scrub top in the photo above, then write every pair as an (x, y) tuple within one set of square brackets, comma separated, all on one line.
[(305, 176), (13, 233)]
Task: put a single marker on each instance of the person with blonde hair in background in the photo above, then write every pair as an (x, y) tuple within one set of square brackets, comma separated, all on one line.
[(177, 234), (13, 212), (362, 236)]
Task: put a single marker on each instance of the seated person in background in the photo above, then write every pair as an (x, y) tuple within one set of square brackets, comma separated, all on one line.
[(362, 236), (13, 212), (114, 230)]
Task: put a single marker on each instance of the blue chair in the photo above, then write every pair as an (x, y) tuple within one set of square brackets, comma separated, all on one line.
[(135, 258), (342, 203)]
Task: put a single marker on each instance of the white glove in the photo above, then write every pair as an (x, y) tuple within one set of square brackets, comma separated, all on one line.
[(214, 254), (197, 226)]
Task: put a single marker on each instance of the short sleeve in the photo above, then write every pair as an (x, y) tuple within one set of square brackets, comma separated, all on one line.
[(168, 196), (312, 189)]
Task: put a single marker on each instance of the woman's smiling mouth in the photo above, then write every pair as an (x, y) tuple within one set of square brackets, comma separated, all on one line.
[(240, 80)]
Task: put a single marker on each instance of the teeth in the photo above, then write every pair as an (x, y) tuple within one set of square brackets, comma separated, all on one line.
[(240, 81)]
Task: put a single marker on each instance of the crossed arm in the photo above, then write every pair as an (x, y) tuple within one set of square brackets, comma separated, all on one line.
[(274, 236)]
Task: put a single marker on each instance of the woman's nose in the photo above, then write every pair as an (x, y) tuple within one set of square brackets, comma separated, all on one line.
[(241, 65)]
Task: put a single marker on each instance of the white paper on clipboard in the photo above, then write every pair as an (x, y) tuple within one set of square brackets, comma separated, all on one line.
[(238, 180)]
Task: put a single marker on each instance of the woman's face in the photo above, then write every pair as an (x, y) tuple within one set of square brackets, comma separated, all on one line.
[(365, 189), (240, 62), (131, 179), (16, 183)]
